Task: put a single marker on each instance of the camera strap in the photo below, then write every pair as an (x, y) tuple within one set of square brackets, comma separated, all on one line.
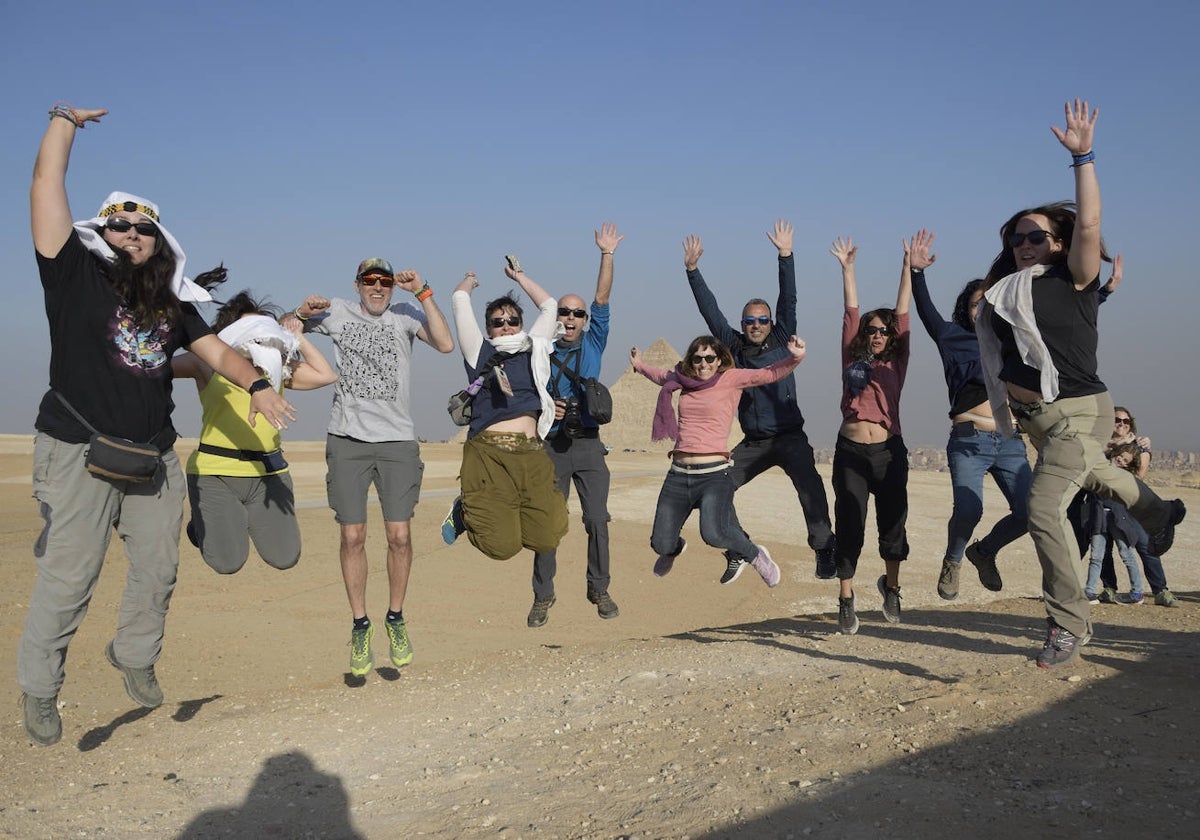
[(571, 375)]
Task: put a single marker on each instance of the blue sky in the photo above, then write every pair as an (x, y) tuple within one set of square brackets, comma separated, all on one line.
[(290, 145)]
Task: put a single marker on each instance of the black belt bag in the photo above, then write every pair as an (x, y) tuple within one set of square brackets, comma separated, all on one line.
[(273, 460), (116, 458)]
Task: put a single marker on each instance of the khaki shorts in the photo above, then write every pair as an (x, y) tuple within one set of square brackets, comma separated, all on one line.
[(352, 466)]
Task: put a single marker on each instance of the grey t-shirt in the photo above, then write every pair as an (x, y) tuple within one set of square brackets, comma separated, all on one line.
[(371, 396)]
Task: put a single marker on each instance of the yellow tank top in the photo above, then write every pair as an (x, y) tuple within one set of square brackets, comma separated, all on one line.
[(225, 407)]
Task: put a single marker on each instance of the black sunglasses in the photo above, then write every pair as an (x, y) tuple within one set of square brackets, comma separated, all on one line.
[(564, 311), (511, 320), (381, 279), (699, 357), (1122, 421), (883, 331), (750, 320), (117, 225), (1035, 237)]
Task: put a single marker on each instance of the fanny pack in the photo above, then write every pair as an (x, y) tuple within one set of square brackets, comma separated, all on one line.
[(273, 460), (117, 458)]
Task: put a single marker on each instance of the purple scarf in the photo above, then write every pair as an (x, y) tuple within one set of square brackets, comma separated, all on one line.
[(666, 427)]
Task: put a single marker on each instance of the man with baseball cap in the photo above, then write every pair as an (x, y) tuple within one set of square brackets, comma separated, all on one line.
[(371, 439)]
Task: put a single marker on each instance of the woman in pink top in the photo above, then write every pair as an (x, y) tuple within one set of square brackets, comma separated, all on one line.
[(870, 457), (709, 389)]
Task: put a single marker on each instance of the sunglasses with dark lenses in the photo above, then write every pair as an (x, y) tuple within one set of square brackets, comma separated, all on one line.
[(117, 225), (564, 311), (1121, 421), (707, 358), (1035, 237), (751, 320), (511, 320), (883, 331), (381, 279)]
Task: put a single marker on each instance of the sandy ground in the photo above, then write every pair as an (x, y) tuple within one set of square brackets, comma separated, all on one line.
[(702, 711)]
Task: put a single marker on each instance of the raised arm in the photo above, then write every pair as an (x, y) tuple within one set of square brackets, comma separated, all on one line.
[(49, 211), (785, 307), (607, 241), (314, 371), (1084, 257), (920, 259), (536, 293), (904, 293), (705, 301), (470, 339), (845, 250), (436, 332)]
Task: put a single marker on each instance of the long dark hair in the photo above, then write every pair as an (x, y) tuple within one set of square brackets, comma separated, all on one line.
[(1062, 222), (962, 305), (240, 304), (146, 289), (860, 347)]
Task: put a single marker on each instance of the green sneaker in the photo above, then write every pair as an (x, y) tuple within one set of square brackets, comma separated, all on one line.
[(401, 648), (1164, 598), (361, 658), (1108, 595)]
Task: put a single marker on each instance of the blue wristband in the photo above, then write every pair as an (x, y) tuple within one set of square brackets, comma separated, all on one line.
[(1080, 160)]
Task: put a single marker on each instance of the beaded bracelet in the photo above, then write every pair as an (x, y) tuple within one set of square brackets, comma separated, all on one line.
[(1080, 160), (64, 110)]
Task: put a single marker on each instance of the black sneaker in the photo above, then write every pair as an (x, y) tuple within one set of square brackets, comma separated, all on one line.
[(847, 617), (826, 564), (733, 569), (948, 580), (891, 599), (605, 606), (540, 611), (989, 575), (1161, 539), (43, 724), (191, 533), (1062, 646), (140, 683)]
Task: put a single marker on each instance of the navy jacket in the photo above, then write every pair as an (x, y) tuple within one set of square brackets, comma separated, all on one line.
[(767, 410)]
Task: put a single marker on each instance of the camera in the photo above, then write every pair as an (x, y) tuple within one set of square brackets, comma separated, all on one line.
[(572, 420)]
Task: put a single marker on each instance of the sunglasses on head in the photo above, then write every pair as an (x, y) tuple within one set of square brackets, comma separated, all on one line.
[(707, 358), (511, 320), (117, 225), (1035, 237), (883, 331), (564, 311), (382, 279), (750, 320)]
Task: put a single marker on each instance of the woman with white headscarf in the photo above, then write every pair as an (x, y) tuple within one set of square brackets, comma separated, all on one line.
[(118, 307)]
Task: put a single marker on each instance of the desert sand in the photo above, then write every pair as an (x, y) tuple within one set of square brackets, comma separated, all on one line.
[(702, 711)]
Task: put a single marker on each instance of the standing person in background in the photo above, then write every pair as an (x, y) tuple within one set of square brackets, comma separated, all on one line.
[(1038, 339), (1125, 431), (870, 457), (119, 307), (976, 448), (371, 439), (574, 444), (238, 480), (769, 416)]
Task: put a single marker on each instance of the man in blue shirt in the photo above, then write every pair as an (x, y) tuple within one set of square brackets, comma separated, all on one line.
[(770, 418), (574, 443)]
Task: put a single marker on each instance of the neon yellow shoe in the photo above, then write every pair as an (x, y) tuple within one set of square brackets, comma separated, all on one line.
[(398, 640), (361, 658)]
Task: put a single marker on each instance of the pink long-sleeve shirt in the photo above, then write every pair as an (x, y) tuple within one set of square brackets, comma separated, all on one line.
[(706, 416)]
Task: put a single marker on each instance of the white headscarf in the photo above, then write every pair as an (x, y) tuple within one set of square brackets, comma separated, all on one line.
[(269, 346), (91, 235)]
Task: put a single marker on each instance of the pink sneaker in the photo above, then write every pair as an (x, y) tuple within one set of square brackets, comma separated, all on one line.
[(765, 566)]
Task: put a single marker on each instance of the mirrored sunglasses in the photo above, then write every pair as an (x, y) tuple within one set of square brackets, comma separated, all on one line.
[(382, 279)]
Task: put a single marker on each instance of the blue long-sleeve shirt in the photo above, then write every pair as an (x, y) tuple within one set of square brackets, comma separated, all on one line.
[(959, 349), (767, 410)]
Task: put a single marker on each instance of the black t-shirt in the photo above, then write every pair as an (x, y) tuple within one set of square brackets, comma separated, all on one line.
[(117, 376), (1066, 320)]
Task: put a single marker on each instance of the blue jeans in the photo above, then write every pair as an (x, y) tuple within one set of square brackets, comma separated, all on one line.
[(972, 454), (1100, 548), (1151, 564), (712, 494)]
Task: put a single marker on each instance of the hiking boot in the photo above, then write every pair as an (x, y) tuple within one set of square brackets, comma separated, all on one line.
[(540, 611), (453, 525), (766, 567), (733, 569), (1162, 538), (989, 575), (891, 599), (43, 724), (1108, 595), (361, 658), (847, 617), (606, 607), (665, 562), (140, 683), (1061, 647), (1164, 598), (401, 647), (948, 580), (826, 564)]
